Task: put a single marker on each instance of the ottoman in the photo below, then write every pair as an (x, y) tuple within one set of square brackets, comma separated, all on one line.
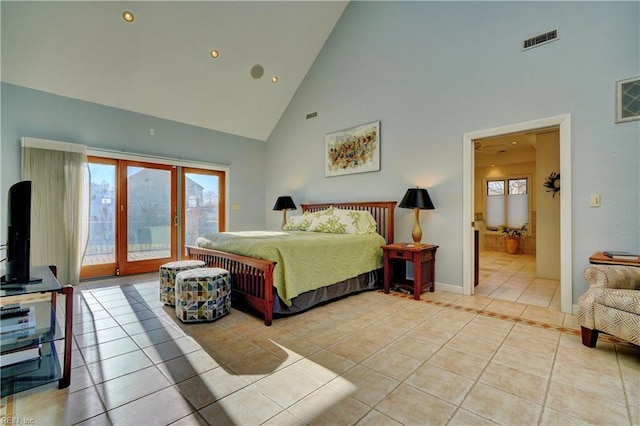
[(168, 273), (203, 294)]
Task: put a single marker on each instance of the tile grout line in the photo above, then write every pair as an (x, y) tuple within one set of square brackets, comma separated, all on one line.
[(549, 380), (624, 386)]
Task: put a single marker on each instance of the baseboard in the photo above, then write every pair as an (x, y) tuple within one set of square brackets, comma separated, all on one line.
[(456, 289)]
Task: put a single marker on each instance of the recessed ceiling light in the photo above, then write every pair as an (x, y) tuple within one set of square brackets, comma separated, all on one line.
[(514, 143), (127, 16), (274, 79), (215, 53)]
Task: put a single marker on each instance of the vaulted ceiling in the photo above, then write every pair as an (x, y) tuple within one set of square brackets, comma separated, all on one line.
[(161, 64)]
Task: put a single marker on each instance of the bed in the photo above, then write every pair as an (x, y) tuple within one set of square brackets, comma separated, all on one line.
[(254, 278)]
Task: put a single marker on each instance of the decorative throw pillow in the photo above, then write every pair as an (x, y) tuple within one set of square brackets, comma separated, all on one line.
[(299, 222), (330, 224), (358, 221), (303, 222), (344, 222), (325, 212)]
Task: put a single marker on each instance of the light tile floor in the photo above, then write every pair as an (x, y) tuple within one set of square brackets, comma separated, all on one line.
[(513, 278), (368, 359)]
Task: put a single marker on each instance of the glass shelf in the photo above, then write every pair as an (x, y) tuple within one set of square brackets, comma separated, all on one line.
[(27, 375), (47, 329), (51, 329)]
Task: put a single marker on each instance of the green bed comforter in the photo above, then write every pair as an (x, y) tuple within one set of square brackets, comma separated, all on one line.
[(306, 260)]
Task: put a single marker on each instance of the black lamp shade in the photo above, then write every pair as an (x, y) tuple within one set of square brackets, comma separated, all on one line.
[(417, 198), (285, 203)]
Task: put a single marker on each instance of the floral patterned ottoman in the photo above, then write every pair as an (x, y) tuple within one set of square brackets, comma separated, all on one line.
[(203, 294), (168, 273)]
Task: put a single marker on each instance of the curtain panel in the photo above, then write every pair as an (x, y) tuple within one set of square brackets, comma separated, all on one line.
[(59, 173)]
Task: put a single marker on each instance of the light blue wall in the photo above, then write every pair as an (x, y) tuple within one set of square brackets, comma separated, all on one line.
[(28, 112), (431, 71)]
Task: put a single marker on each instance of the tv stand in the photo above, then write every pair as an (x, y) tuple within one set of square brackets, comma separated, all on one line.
[(51, 329), (32, 280)]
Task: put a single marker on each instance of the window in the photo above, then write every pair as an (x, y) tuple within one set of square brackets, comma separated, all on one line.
[(507, 202)]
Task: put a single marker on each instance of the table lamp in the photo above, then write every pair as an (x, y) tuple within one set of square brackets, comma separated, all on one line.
[(417, 199), (284, 203)]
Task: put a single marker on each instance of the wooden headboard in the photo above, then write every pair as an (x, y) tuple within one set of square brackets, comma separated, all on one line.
[(382, 212)]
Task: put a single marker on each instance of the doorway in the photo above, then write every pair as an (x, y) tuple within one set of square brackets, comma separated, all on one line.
[(516, 220), (563, 123)]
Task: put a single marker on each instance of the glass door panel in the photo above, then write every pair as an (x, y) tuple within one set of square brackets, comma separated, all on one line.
[(149, 215), (203, 207), (100, 255)]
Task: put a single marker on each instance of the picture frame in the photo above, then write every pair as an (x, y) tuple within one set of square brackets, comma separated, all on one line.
[(628, 100), (352, 150)]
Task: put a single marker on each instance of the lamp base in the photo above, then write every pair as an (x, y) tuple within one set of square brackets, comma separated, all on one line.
[(417, 231)]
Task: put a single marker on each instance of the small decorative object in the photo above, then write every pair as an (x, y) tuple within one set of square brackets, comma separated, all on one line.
[(552, 183), (628, 100), (284, 203), (417, 199), (354, 150), (512, 237)]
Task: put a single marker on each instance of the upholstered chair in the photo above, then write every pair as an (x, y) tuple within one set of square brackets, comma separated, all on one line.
[(611, 304)]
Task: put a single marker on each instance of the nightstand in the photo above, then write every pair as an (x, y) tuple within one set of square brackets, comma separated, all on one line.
[(423, 257)]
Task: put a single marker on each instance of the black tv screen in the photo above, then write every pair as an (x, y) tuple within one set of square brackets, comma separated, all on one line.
[(18, 232)]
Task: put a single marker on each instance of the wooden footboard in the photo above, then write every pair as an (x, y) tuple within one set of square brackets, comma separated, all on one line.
[(251, 279)]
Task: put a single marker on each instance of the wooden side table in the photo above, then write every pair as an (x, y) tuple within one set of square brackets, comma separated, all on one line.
[(423, 257)]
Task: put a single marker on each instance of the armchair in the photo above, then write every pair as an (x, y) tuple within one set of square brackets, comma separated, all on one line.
[(611, 304)]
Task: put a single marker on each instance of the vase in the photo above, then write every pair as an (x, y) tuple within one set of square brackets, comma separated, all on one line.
[(512, 244)]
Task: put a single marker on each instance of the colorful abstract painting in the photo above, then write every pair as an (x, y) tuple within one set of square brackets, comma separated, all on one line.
[(354, 150)]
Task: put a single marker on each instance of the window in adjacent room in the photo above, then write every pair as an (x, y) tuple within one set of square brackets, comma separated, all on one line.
[(507, 202)]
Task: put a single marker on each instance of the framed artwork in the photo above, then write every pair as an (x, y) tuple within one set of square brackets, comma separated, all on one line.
[(354, 150), (628, 100)]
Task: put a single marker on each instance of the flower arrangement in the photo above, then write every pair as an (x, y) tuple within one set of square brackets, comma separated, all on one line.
[(507, 232)]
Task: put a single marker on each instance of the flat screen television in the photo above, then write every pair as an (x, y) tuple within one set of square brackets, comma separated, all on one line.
[(19, 234)]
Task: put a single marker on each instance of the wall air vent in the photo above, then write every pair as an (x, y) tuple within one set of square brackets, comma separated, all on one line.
[(540, 40)]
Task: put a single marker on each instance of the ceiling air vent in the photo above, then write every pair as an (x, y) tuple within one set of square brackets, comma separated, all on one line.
[(540, 40)]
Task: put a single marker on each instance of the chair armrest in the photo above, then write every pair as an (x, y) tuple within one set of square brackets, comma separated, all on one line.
[(613, 276)]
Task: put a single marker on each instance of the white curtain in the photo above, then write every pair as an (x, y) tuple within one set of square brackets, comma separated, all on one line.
[(59, 173)]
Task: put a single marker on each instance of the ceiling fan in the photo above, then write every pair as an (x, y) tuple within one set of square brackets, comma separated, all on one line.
[(489, 147)]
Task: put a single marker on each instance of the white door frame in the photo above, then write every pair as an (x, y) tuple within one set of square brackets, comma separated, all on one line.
[(564, 122)]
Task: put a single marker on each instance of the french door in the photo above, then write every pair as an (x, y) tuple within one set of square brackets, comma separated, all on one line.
[(142, 212), (148, 216)]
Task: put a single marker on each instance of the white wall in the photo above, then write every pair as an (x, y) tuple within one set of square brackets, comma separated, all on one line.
[(431, 71)]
